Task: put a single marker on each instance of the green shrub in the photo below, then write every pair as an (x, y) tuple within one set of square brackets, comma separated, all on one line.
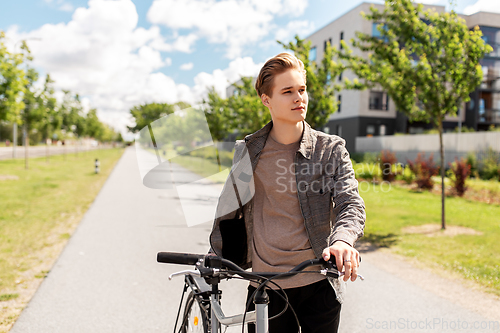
[(366, 171), (357, 157), (471, 160), (460, 171), (370, 158), (387, 163), (406, 174), (488, 165), (424, 171), (464, 129)]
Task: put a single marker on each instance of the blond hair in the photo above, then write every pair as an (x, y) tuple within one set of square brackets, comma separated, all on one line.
[(274, 66)]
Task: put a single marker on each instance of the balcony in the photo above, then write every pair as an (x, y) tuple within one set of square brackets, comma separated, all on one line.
[(490, 116), (378, 101), (496, 50), (491, 78)]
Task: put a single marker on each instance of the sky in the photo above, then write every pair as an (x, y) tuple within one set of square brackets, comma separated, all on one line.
[(120, 53)]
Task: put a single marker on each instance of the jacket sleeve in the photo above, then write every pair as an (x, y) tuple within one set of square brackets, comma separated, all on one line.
[(348, 206)]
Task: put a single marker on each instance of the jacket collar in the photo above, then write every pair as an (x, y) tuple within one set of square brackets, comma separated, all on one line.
[(256, 141)]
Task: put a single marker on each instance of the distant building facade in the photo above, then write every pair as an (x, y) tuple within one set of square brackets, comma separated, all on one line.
[(373, 113)]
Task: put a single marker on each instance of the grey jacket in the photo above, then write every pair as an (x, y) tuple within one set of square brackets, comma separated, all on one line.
[(326, 188)]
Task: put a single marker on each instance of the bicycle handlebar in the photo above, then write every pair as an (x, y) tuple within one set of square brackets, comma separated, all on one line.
[(179, 258), (211, 261)]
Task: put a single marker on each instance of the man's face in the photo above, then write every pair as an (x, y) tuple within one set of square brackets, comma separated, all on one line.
[(289, 101)]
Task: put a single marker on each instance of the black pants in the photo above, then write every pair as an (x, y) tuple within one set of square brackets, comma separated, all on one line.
[(316, 307)]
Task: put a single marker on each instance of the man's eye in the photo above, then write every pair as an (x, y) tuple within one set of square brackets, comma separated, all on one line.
[(286, 92)]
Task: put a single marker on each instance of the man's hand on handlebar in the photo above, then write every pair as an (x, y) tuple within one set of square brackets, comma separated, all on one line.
[(347, 259)]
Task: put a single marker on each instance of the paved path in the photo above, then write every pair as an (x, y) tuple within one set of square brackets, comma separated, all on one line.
[(107, 278)]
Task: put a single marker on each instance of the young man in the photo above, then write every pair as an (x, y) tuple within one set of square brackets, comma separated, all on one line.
[(305, 203)]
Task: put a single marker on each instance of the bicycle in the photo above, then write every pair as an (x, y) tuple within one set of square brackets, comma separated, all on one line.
[(202, 310)]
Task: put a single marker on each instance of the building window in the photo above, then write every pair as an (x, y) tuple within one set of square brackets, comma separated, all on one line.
[(312, 54), (491, 36), (339, 103), (340, 76), (370, 130), (382, 130), (329, 40), (379, 100), (328, 78), (376, 33), (341, 39), (339, 130)]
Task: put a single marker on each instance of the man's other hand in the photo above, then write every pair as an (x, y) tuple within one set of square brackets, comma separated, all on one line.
[(347, 259)]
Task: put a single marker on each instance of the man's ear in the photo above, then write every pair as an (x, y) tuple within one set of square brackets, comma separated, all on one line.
[(265, 99)]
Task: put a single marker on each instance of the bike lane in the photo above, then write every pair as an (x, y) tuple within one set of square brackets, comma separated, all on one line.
[(107, 278)]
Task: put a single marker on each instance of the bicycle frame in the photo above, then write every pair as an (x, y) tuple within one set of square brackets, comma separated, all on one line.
[(204, 282), (209, 295)]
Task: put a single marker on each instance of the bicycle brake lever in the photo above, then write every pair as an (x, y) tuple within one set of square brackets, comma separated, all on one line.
[(337, 274), (190, 272), (359, 275)]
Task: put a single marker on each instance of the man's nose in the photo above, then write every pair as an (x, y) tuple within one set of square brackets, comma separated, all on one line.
[(298, 98)]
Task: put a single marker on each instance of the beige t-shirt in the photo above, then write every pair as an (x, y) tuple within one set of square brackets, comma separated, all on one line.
[(280, 240)]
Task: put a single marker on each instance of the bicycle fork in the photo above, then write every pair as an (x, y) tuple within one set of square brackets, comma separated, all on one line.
[(214, 321)]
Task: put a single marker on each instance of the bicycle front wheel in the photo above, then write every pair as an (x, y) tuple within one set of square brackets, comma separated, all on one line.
[(195, 318)]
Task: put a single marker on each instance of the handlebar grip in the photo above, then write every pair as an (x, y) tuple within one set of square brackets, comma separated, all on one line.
[(179, 258)]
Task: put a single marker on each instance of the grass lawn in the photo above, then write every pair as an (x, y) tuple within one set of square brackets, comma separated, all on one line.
[(39, 209), (203, 167), (474, 257)]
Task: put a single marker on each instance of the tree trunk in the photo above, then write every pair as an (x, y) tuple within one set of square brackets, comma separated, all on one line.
[(26, 146), (441, 149), (218, 158), (47, 153)]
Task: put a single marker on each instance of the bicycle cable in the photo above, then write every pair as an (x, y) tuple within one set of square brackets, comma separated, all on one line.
[(263, 284)]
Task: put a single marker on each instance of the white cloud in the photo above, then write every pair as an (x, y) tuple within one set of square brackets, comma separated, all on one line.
[(102, 55), (181, 43), (61, 5), (220, 79), (187, 66), (301, 28), (483, 6), (66, 7), (236, 23)]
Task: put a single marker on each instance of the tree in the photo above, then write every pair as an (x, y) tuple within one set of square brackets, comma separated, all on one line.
[(93, 126), (218, 115), (320, 86), (246, 109), (145, 114), (73, 120), (427, 62), (49, 118), (219, 118), (12, 82), (30, 114)]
